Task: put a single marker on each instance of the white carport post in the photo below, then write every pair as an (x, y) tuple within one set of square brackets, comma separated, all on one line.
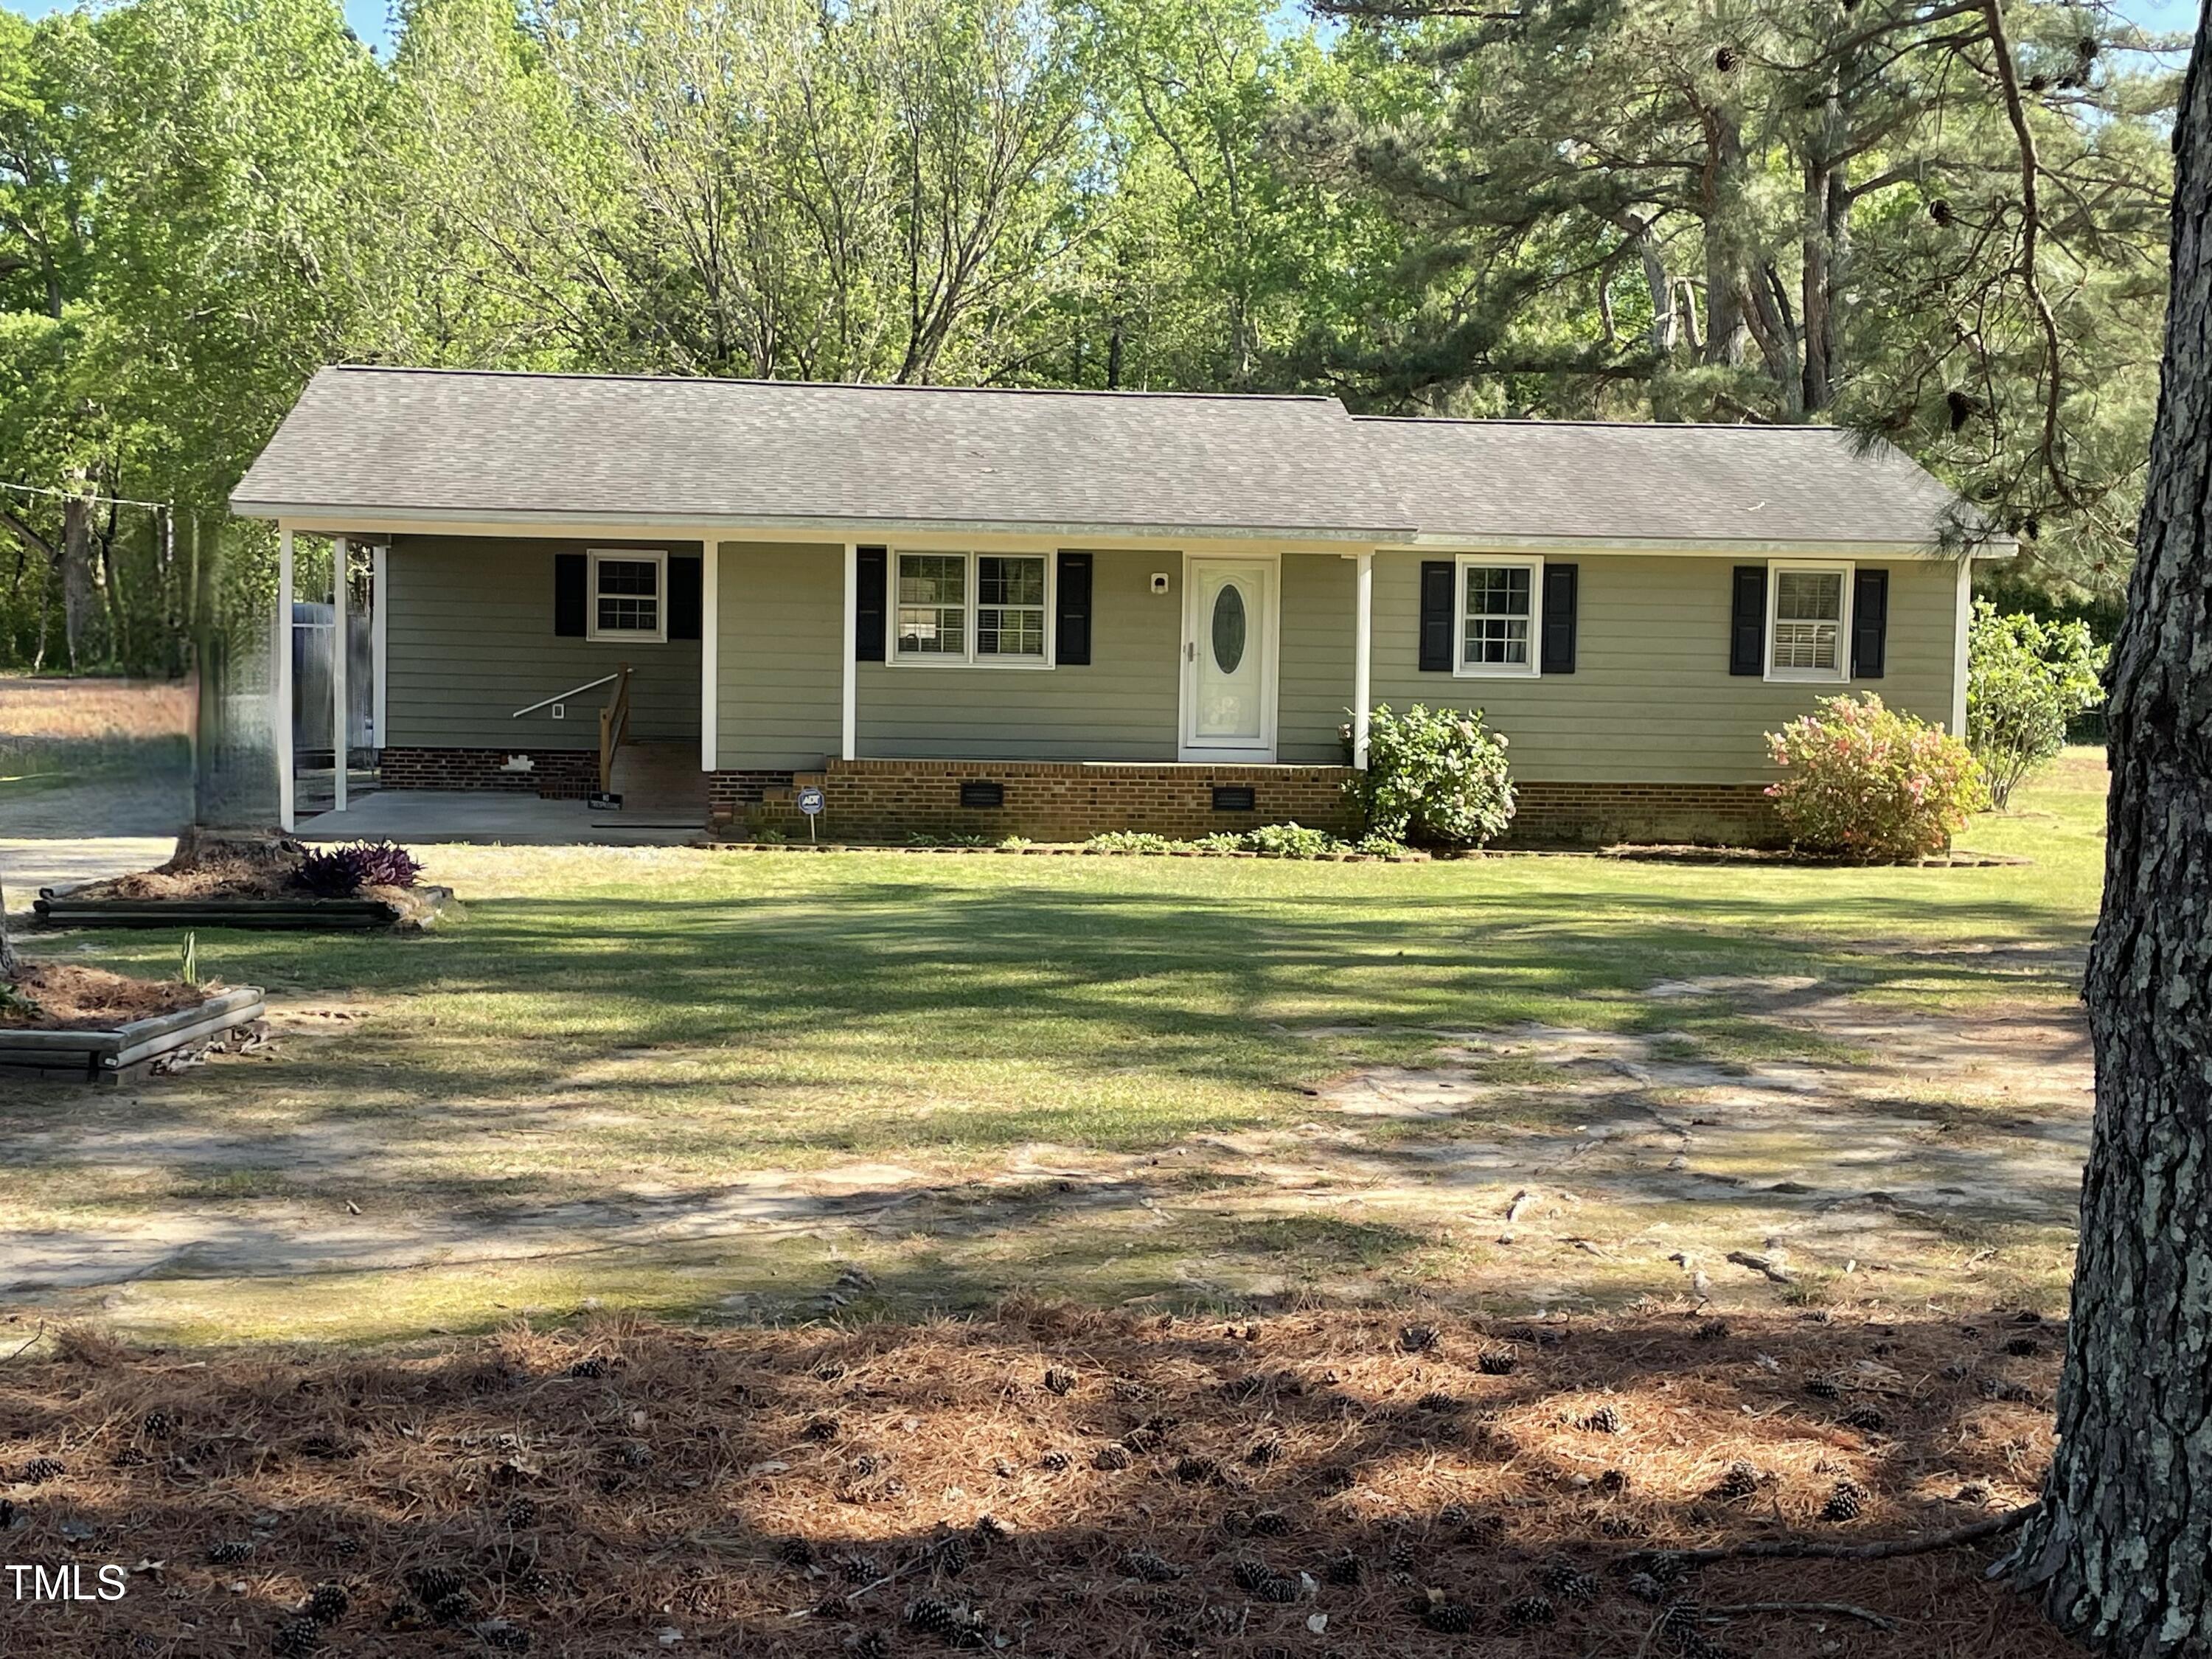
[(1363, 657), (851, 714), (280, 695), (341, 726), (710, 654)]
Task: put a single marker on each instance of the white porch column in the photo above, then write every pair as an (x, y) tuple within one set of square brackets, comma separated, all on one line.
[(1363, 657), (852, 677), (1962, 627), (341, 653), (710, 653), (380, 591), (281, 693)]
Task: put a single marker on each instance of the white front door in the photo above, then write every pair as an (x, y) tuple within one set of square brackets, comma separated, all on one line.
[(1229, 659)]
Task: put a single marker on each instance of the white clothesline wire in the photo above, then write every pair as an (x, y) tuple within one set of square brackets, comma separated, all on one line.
[(79, 496)]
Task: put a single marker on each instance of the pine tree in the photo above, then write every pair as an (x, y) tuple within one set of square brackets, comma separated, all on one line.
[(2118, 1545)]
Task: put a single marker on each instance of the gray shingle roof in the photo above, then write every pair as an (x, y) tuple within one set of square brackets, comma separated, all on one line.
[(1590, 481), (773, 452), (463, 444)]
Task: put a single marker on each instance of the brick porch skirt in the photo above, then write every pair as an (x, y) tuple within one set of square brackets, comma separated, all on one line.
[(1599, 814), (554, 774), (1043, 800)]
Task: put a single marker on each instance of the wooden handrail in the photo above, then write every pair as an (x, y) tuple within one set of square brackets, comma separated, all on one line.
[(614, 727)]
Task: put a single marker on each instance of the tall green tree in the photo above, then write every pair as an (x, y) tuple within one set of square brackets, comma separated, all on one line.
[(1935, 219)]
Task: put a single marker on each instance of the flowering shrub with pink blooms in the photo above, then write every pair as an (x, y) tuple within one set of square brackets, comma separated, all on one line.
[(1871, 784)]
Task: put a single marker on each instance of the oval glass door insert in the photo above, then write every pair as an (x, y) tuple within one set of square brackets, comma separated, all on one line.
[(1228, 628)]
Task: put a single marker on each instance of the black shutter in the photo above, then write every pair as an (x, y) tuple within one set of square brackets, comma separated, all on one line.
[(1869, 623), (684, 570), (1748, 626), (1438, 581), (874, 573), (1559, 585), (570, 603), (1073, 646)]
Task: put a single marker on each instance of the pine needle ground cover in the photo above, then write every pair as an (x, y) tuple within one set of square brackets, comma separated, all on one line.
[(1042, 1480)]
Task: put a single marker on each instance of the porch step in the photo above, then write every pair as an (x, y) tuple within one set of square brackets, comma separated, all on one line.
[(661, 779)]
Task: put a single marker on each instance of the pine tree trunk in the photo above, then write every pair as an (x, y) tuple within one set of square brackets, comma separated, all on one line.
[(76, 579), (2121, 1551)]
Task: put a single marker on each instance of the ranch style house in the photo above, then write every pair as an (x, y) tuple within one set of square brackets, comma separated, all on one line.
[(1051, 613)]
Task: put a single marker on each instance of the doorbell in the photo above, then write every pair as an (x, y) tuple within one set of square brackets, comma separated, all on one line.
[(1159, 581)]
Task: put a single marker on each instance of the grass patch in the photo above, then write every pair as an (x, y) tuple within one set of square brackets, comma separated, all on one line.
[(657, 1025)]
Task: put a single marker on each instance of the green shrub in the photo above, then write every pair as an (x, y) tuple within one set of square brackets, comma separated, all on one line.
[(1129, 840), (2025, 679), (1291, 840), (1871, 784), (1222, 841), (1434, 777), (1379, 846)]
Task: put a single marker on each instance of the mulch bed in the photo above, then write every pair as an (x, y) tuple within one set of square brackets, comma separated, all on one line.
[(1346, 1486), (73, 998)]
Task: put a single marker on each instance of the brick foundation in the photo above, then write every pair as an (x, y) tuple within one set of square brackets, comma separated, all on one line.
[(734, 794), (554, 774), (1596, 814), (1044, 800)]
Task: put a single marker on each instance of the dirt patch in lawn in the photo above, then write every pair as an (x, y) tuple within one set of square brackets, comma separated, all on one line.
[(1045, 1480), (61, 996)]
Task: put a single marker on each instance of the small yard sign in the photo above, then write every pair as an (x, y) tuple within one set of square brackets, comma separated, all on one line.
[(810, 802)]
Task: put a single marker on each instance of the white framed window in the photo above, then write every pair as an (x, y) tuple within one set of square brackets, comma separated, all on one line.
[(1808, 615), (629, 594), (989, 609), (1500, 617)]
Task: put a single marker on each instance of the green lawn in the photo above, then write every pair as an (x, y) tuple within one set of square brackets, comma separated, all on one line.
[(650, 1025)]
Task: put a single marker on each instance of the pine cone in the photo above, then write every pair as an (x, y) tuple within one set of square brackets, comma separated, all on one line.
[(295, 1639), (1152, 1569), (328, 1604), (1496, 1362), (1739, 1481), (40, 1470), (1844, 1502), (1058, 1381), (229, 1552), (1606, 1419), (1417, 1339), (1527, 1610), (1565, 1580), (1451, 1618), (1056, 1460)]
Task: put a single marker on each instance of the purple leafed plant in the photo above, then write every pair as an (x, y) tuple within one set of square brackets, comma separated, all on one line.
[(340, 871)]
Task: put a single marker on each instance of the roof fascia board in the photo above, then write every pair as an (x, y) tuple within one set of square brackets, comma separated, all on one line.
[(832, 533), (1720, 546)]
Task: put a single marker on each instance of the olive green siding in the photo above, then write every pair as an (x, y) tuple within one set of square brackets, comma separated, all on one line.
[(1319, 605), (1651, 699), (778, 703), (1120, 707), (469, 640)]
